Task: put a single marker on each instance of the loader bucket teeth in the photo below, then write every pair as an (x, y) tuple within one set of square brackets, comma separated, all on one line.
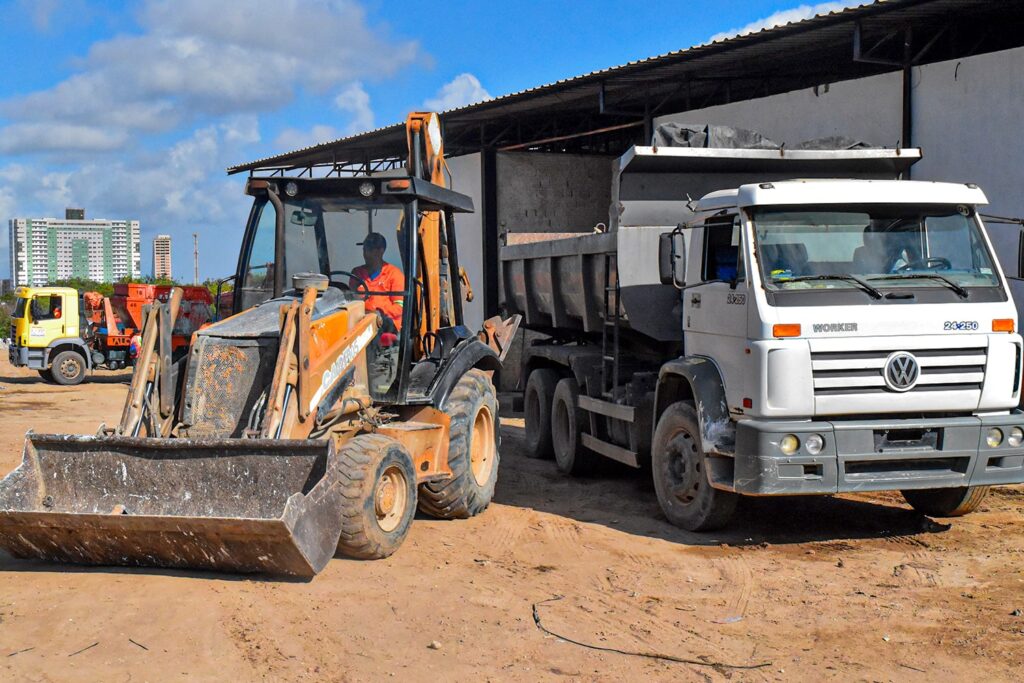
[(232, 505)]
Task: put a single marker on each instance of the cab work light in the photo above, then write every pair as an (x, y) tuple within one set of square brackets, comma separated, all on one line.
[(402, 184), (1002, 325), (786, 330)]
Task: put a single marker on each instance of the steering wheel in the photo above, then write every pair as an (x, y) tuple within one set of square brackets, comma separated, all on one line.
[(930, 263), (362, 283)]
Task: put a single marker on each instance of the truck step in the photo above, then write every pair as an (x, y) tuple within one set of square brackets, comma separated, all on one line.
[(608, 450), (606, 408)]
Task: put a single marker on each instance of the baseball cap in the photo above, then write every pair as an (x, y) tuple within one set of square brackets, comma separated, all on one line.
[(374, 240)]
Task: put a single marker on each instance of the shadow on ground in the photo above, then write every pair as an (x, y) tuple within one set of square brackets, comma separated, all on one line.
[(94, 378), (622, 498)]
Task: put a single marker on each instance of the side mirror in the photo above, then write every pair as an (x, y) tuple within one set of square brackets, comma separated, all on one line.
[(1020, 254), (672, 259)]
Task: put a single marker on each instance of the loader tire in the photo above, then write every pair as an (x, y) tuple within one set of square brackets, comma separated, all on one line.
[(540, 390), (679, 469), (567, 420), (378, 496), (472, 452), (953, 502), (68, 368)]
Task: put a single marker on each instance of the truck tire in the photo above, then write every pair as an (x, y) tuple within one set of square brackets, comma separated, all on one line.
[(378, 496), (566, 426), (473, 458), (954, 502), (680, 475), (46, 375), (540, 390), (68, 368)]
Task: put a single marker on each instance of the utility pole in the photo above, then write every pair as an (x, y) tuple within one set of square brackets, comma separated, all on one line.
[(195, 258)]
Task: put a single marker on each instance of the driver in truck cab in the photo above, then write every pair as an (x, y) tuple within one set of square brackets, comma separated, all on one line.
[(385, 280)]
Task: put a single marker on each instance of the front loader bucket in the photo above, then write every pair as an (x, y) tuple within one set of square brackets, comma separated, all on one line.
[(233, 505)]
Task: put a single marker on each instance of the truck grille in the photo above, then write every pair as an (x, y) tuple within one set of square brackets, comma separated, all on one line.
[(860, 372)]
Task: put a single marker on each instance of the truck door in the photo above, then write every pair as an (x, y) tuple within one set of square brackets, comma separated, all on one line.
[(47, 319), (715, 303)]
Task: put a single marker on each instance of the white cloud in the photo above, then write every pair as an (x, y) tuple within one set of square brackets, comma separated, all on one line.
[(356, 101), (462, 90), (48, 137), (195, 58), (783, 17), (294, 138)]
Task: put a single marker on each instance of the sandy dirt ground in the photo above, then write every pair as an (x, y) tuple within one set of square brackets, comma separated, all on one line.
[(848, 588)]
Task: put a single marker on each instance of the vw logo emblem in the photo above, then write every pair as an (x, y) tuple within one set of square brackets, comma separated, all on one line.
[(901, 371)]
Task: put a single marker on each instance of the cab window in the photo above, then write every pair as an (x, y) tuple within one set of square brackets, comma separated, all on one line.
[(723, 256), (47, 307)]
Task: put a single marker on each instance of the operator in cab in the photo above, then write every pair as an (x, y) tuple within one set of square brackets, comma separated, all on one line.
[(380, 276)]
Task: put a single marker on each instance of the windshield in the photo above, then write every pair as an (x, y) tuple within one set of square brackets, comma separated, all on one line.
[(884, 246), (358, 244)]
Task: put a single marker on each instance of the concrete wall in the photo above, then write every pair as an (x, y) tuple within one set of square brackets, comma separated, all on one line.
[(468, 229), (966, 120), (552, 192)]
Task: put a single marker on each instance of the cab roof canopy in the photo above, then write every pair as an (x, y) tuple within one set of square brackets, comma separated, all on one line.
[(606, 112)]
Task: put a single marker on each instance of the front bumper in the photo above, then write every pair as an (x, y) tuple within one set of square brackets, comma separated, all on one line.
[(25, 357), (875, 455)]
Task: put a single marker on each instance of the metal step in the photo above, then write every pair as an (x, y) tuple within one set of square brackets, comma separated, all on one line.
[(609, 450)]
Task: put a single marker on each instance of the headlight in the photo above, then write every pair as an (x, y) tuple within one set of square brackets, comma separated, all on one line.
[(814, 443), (1016, 437), (789, 444), (366, 189), (291, 189), (994, 437)]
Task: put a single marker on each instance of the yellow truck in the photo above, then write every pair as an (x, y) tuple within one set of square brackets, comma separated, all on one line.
[(47, 330)]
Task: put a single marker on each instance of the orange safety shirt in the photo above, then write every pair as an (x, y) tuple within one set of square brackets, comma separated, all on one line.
[(389, 279)]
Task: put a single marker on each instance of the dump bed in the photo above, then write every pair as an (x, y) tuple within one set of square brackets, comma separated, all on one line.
[(557, 281)]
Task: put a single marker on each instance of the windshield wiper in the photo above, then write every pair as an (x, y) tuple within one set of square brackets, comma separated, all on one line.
[(875, 294), (961, 292)]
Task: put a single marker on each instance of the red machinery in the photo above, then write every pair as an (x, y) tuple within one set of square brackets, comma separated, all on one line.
[(115, 321)]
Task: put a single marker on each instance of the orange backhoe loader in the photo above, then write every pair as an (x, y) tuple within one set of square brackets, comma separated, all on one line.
[(312, 422)]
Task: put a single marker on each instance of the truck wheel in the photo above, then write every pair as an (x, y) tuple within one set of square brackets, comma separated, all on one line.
[(680, 477), (68, 368), (566, 423), (472, 452), (954, 502), (378, 496), (46, 375), (540, 390)]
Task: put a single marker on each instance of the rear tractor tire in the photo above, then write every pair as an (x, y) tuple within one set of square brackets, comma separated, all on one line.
[(953, 502), (472, 451), (540, 391), (566, 429), (68, 368), (679, 468), (378, 496)]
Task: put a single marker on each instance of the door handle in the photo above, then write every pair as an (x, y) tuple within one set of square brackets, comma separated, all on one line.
[(695, 300)]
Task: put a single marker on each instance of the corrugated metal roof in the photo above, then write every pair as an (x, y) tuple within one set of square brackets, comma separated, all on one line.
[(799, 54)]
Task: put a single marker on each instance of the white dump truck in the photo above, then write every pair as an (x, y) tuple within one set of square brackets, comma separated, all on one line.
[(782, 337)]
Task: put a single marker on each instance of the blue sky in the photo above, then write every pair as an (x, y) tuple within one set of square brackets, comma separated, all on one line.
[(134, 109)]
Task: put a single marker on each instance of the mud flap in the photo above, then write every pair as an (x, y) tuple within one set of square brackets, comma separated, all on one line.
[(233, 505)]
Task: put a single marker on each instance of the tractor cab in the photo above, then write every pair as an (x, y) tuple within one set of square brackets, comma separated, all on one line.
[(365, 235)]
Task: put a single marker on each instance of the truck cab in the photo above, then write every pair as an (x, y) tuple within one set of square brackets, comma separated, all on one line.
[(850, 335), (47, 334)]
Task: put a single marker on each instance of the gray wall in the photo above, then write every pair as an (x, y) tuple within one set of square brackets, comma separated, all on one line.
[(466, 179), (966, 120), (552, 192)]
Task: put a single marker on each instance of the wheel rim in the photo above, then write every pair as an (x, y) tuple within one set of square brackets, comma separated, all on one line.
[(391, 498), (481, 449), (69, 368), (684, 472)]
